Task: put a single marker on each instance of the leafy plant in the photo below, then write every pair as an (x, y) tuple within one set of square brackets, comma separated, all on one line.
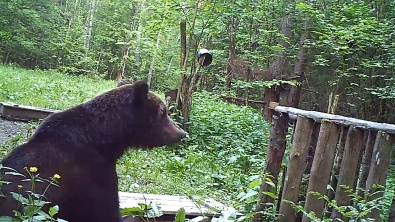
[(144, 211), (358, 212), (32, 205)]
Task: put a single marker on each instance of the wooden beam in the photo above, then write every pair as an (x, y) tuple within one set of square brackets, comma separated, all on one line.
[(318, 116), (295, 168), (349, 166), (170, 204), (379, 166), (321, 168), (13, 111)]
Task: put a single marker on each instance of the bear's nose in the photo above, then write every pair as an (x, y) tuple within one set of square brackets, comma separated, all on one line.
[(184, 134)]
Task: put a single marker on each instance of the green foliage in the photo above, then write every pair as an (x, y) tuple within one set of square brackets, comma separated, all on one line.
[(359, 212), (355, 45), (31, 204), (144, 211)]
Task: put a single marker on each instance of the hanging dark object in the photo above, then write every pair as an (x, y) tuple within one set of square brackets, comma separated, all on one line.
[(208, 58)]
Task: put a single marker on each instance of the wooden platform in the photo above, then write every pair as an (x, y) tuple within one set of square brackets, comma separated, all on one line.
[(169, 205), (13, 111)]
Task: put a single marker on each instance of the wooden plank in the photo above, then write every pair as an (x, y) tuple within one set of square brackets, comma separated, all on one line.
[(13, 111), (295, 168), (354, 145), (322, 167), (318, 116), (379, 166), (171, 204)]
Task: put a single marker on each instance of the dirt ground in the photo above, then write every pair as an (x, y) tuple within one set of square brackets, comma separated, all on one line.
[(9, 129)]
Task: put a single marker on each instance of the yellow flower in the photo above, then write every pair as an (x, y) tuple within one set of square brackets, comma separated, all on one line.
[(56, 176), (19, 186), (33, 169)]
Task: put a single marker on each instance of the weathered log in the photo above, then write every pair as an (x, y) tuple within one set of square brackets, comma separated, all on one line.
[(336, 167), (313, 146), (348, 121), (295, 169), (379, 166), (354, 145), (322, 167), (366, 161), (274, 159)]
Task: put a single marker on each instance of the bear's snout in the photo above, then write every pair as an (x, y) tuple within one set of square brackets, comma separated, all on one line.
[(183, 133)]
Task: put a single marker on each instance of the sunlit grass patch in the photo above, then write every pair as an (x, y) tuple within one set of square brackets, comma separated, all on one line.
[(48, 89)]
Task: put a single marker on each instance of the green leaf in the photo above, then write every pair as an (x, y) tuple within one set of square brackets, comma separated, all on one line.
[(53, 210), (132, 211), (180, 216), (255, 183), (20, 198), (270, 194)]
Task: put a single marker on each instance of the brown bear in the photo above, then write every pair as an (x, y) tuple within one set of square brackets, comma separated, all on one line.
[(82, 145)]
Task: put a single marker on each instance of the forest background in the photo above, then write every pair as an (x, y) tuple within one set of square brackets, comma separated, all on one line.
[(324, 55), (337, 49)]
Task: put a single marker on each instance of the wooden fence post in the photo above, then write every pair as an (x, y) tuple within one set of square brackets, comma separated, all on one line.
[(322, 167), (274, 159), (354, 145), (366, 161), (379, 166), (296, 167), (337, 163)]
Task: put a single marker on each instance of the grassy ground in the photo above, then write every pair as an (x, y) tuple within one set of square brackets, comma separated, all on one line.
[(47, 88)]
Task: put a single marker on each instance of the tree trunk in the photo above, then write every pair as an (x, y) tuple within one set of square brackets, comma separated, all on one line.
[(274, 159), (277, 68), (187, 91), (232, 27), (183, 53), (151, 68), (89, 24)]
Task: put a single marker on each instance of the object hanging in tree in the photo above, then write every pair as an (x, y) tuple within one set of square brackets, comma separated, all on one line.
[(207, 59)]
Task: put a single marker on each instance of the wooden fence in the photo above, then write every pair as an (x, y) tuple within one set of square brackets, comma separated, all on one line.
[(349, 153)]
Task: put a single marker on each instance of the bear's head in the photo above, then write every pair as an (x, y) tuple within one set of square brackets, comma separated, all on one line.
[(150, 117)]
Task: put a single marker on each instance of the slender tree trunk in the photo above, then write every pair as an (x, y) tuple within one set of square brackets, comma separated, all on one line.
[(278, 67), (137, 52), (183, 53), (153, 60), (187, 83), (89, 24), (125, 55), (232, 28)]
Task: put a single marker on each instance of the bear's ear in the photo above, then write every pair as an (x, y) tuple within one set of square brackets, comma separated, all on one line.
[(141, 90)]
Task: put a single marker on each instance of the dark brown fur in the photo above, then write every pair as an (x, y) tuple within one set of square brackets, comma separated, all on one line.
[(82, 145)]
